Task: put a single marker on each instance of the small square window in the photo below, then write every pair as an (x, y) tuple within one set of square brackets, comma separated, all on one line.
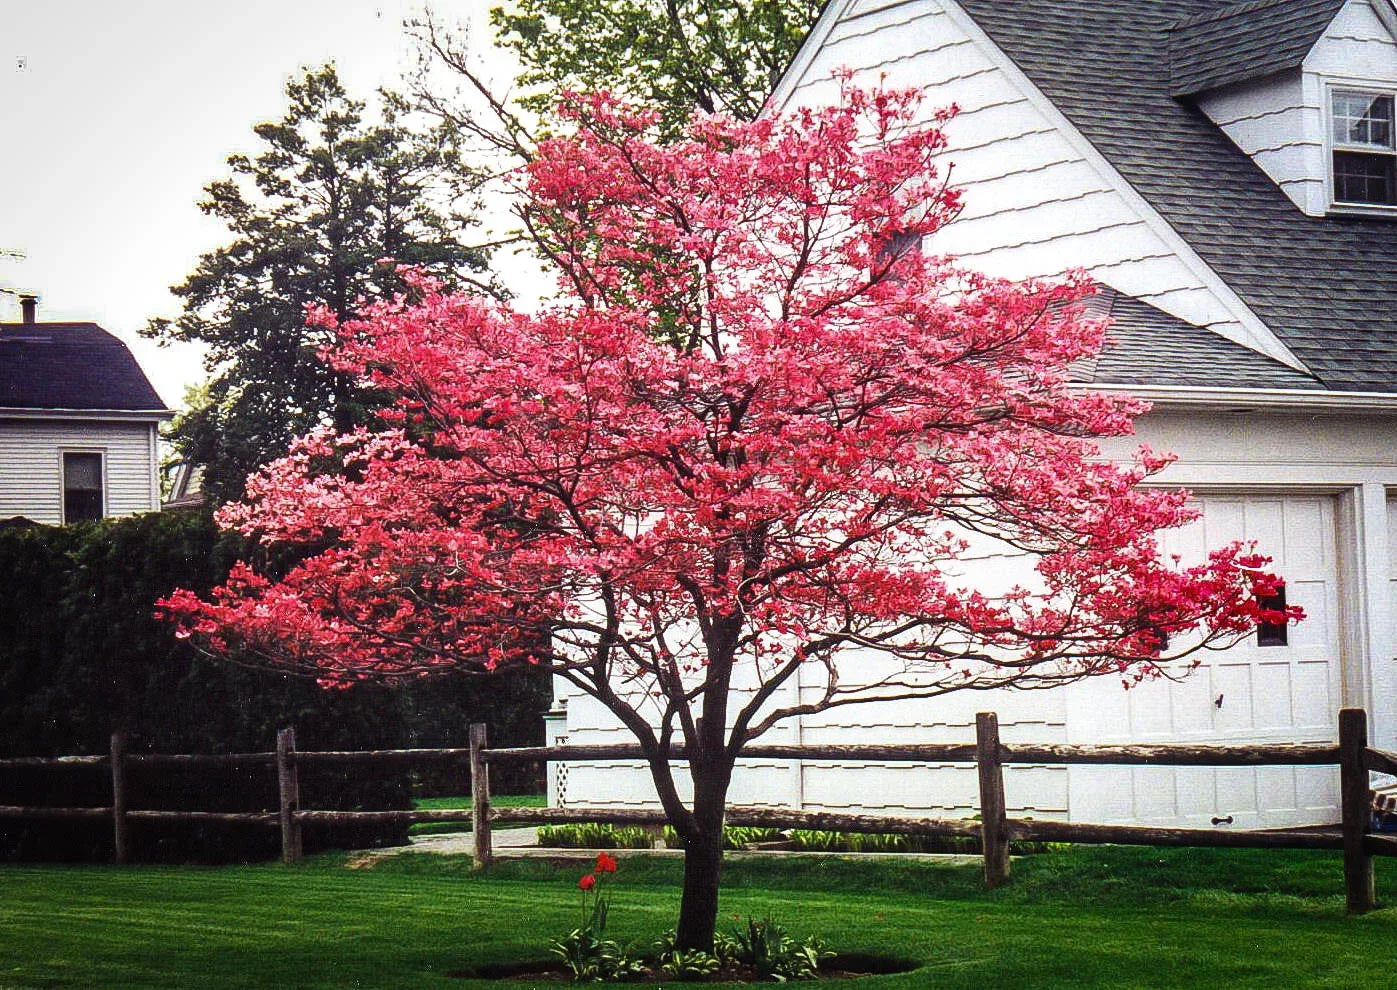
[(1273, 633), (891, 250), (82, 487), (1364, 156)]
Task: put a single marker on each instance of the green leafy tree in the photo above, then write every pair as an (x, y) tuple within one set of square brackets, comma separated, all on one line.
[(674, 55), (311, 219)]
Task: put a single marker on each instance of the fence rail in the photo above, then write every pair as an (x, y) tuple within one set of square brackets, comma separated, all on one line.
[(996, 830)]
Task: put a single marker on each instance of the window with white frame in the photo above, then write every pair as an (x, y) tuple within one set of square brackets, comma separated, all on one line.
[(1364, 152), (83, 492)]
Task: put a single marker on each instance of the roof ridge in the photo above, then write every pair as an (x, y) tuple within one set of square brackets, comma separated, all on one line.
[(1226, 11)]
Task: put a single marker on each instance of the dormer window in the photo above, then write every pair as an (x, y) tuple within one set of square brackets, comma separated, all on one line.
[(1364, 152)]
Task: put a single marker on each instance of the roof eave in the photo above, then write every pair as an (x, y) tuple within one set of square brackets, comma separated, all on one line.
[(1306, 400), (125, 415)]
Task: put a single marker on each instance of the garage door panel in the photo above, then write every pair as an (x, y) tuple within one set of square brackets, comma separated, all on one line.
[(1314, 788), (1309, 544), (1272, 695), (1193, 706), (1267, 515), (1186, 543), (1236, 791), (1275, 787), (1316, 598), (1315, 697), (1232, 698), (1195, 787), (1155, 799)]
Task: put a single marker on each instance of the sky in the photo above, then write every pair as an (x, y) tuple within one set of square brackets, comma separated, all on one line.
[(114, 116)]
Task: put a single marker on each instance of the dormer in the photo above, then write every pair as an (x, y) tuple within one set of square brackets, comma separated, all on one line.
[(1307, 88)]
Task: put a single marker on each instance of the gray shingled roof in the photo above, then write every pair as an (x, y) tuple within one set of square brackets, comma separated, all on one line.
[(1147, 346), (1245, 41), (1327, 286), (70, 366)]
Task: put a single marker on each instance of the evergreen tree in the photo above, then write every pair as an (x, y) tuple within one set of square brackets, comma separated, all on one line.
[(311, 219)]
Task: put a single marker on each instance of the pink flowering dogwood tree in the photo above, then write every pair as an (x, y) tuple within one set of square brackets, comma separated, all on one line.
[(756, 436)]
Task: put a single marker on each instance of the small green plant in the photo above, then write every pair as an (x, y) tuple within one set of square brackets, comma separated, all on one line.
[(590, 956), (773, 953), (687, 965), (594, 835), (694, 964), (734, 836)]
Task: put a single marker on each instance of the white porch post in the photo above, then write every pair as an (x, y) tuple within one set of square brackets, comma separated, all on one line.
[(1375, 588)]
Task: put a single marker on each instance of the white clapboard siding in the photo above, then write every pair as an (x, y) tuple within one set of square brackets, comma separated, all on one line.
[(1355, 47), (1035, 205), (31, 466), (1282, 129)]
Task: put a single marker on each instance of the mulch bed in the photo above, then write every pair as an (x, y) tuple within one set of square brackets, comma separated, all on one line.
[(848, 966)]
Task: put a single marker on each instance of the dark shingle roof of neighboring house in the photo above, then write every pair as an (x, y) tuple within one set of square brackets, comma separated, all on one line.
[(70, 366), (1245, 41), (1147, 346), (1327, 286)]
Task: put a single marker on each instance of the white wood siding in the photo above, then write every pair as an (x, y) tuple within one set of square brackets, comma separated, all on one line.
[(1356, 46), (1036, 204), (1282, 129), (31, 459)]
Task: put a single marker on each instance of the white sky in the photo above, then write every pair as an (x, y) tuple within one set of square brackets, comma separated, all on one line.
[(114, 115)]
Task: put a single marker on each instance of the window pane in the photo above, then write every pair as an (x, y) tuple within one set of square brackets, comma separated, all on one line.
[(80, 505), (82, 471), (1363, 118), (1364, 178), (82, 487), (1273, 633)]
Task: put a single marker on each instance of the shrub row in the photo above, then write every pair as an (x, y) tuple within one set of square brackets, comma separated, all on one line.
[(82, 656)]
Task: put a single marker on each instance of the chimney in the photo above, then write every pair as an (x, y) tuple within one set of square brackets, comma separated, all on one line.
[(27, 306)]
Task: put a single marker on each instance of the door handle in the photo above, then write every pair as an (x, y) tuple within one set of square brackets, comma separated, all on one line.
[(1223, 821)]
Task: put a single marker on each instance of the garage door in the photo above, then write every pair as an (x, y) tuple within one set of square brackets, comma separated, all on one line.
[(1265, 689)]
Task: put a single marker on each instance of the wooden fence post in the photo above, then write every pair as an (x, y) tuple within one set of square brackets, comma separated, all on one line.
[(1359, 889), (120, 827), (993, 825), (480, 798), (289, 792)]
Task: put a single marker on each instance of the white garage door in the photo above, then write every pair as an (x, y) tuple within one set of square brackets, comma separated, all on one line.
[(1279, 692)]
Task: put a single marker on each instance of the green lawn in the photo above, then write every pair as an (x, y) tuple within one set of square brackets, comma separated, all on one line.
[(464, 801), (1108, 917)]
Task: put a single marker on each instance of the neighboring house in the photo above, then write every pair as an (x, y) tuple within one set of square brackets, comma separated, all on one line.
[(1228, 173), (78, 423)]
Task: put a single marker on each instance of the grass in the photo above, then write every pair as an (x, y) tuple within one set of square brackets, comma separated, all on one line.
[(1106, 917), (464, 801)]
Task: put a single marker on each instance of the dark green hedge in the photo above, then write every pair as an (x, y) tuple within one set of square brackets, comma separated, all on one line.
[(81, 656)]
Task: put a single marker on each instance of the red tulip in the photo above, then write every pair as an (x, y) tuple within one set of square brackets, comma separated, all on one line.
[(587, 882), (606, 863)]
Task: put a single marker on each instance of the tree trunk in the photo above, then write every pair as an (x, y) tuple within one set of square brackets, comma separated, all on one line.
[(703, 864), (698, 908)]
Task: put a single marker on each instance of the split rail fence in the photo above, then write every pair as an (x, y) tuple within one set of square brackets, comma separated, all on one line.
[(1352, 754)]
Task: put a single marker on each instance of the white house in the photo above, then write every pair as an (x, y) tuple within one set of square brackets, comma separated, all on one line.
[(1228, 173), (78, 424)]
